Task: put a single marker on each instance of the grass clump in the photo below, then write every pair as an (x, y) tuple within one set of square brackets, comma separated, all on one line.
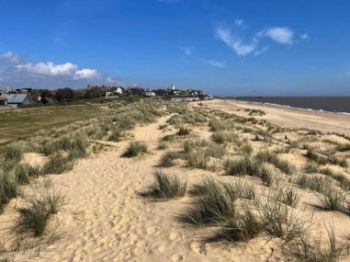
[(248, 166), (333, 200), (214, 203), (135, 148), (34, 217), (168, 158), (223, 137), (57, 165), (23, 173), (167, 186), (270, 157), (245, 190), (315, 183), (303, 249), (242, 227), (13, 153), (280, 221), (324, 159), (184, 131), (197, 153), (8, 189), (287, 196)]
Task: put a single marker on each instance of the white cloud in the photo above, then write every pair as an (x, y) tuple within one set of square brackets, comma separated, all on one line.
[(15, 72), (281, 35), (49, 68), (214, 63), (261, 51), (86, 73), (10, 56), (236, 43), (187, 50)]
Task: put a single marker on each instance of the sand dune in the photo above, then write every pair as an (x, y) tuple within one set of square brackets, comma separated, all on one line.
[(105, 219)]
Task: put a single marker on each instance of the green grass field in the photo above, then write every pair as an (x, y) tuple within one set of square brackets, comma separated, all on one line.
[(21, 123)]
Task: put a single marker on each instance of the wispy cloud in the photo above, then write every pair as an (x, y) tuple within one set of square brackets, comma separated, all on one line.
[(17, 71), (261, 51), (242, 47), (215, 63), (281, 35), (236, 43)]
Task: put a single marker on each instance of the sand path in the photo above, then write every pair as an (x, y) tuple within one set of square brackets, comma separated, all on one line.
[(105, 219)]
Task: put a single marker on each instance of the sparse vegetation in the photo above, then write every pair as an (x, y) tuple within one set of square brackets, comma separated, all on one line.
[(270, 157), (214, 203), (184, 131), (34, 217), (280, 221), (248, 166), (135, 149), (167, 186), (287, 196), (8, 189)]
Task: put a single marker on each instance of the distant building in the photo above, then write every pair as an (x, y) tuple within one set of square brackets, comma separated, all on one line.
[(3, 100), (150, 93), (18, 99)]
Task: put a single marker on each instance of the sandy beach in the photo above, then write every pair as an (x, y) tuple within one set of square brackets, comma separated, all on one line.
[(106, 219), (289, 117)]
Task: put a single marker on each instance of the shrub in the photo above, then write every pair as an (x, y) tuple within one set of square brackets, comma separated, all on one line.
[(167, 186), (33, 218), (249, 167), (214, 204), (8, 189), (135, 149)]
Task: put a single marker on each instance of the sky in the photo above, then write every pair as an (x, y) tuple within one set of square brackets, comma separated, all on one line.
[(225, 47)]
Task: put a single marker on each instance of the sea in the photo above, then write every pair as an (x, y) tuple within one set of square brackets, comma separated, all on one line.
[(336, 104)]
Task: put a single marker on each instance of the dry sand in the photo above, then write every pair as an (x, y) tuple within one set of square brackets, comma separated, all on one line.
[(106, 220), (288, 117)]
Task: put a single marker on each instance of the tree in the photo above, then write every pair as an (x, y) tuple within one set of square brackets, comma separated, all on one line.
[(65, 94)]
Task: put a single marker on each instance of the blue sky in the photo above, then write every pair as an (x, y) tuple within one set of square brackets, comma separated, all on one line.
[(226, 47)]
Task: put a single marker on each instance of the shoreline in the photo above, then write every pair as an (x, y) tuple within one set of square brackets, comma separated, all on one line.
[(288, 116), (292, 107)]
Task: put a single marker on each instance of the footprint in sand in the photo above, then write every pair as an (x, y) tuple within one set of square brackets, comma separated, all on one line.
[(177, 258), (198, 247)]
